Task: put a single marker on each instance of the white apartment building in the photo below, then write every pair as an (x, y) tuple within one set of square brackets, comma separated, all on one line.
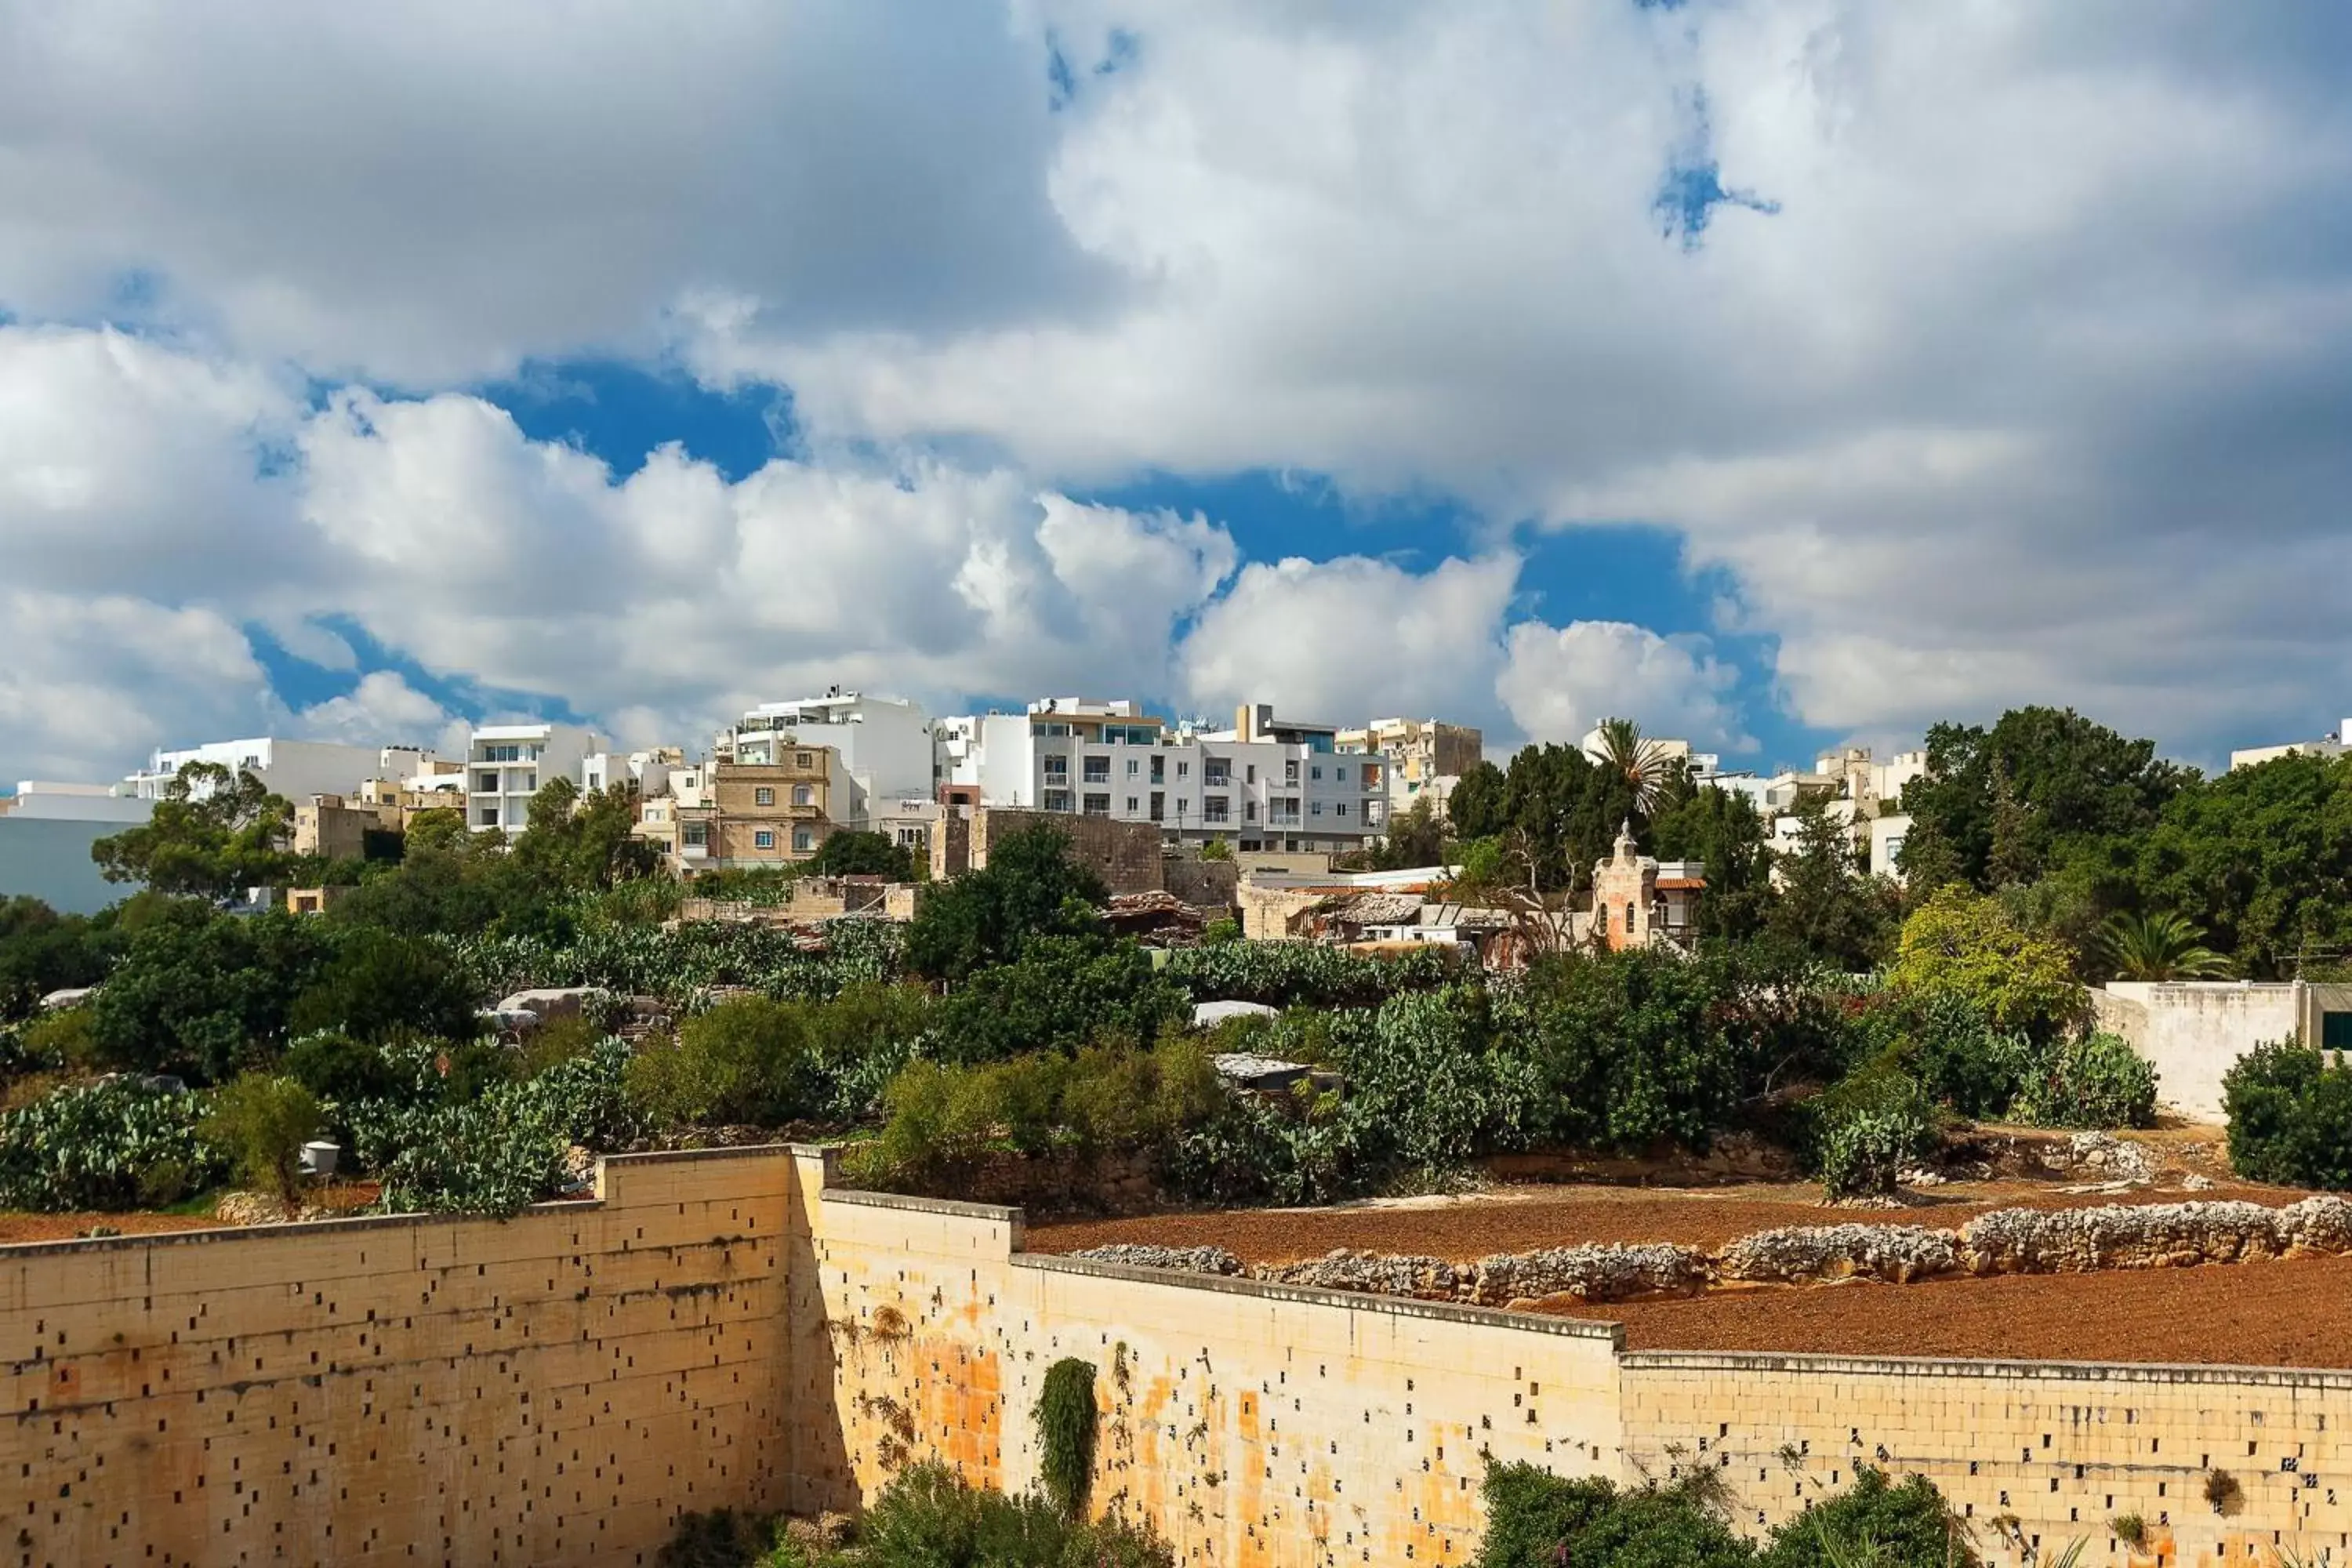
[(294, 769), (506, 763), (884, 770), (40, 798), (2331, 744), (1266, 783)]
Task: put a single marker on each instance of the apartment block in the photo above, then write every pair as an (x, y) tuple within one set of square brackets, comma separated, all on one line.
[(742, 816), (292, 769), (1267, 782), (885, 769), (1426, 757), (337, 828), (506, 764)]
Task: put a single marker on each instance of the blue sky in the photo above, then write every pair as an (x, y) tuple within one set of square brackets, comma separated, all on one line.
[(1777, 372)]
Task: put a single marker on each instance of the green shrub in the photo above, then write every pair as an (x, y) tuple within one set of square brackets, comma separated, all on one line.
[(1305, 975), (1066, 1417), (1061, 993), (102, 1146), (1863, 1131), (1950, 1044), (1538, 1520), (378, 985), (259, 1122), (498, 1151), (2290, 1115), (2096, 1080), (65, 1038), (1966, 947), (720, 1539), (1626, 1051), (1873, 1521), (928, 1518)]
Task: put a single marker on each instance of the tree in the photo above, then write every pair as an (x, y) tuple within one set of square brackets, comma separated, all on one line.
[(1644, 764), (380, 984), (1475, 808), (1060, 993), (2159, 946), (201, 993), (2059, 786), (860, 854), (1963, 947), (1031, 887), (582, 843), (1826, 905), (261, 1123), (2261, 859), (1724, 831), (42, 950), (1415, 838), (213, 833)]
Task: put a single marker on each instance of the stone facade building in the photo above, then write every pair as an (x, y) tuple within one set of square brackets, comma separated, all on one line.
[(1637, 900)]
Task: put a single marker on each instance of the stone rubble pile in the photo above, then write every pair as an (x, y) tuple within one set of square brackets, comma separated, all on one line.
[(1380, 1274), (1183, 1259), (2006, 1241), (1590, 1272), (1798, 1253)]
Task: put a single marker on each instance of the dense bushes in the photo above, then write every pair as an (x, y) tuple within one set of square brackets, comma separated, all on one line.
[(928, 1518), (261, 1123), (2290, 1113), (1538, 1520), (1306, 975), (2095, 1080), (767, 1063), (1108, 1098), (108, 1145), (1066, 1418), (1060, 993)]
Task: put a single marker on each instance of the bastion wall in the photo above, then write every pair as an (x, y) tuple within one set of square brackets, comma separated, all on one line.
[(727, 1330)]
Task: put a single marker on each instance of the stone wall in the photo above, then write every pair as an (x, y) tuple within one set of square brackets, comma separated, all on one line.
[(722, 1329), (550, 1389), (1126, 854)]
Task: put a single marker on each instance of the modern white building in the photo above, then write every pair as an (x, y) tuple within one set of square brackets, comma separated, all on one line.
[(506, 764), (2331, 744), (296, 770), (45, 832), (885, 773), (1266, 783)]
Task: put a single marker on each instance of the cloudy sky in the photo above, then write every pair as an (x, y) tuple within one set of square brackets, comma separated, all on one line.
[(1775, 371)]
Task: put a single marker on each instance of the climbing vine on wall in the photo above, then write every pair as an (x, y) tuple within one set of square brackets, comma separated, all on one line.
[(1065, 1433)]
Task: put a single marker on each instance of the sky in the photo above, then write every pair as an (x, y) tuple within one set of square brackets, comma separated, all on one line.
[(1774, 372)]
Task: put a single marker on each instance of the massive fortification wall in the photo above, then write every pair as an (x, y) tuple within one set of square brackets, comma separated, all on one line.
[(545, 1390), (721, 1330)]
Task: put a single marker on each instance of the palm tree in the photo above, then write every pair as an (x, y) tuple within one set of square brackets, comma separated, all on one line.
[(1644, 764), (2162, 946)]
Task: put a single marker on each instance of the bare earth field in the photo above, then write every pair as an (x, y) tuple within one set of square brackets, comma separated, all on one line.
[(2258, 1314), (2241, 1314), (1520, 1219)]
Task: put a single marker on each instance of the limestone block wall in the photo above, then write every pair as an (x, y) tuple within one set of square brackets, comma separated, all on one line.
[(2059, 1448), (1250, 1424), (550, 1389)]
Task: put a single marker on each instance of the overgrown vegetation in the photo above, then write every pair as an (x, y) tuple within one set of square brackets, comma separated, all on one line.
[(2290, 1111), (1066, 1420)]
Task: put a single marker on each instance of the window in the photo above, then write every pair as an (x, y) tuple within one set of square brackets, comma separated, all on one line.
[(1097, 806), (1601, 919), (1249, 811), (1159, 770), (1131, 804), (487, 784), (764, 839), (1216, 773), (1629, 920), (1290, 772), (1249, 774), (1315, 808), (2335, 1031), (1058, 770), (488, 818), (529, 782), (1214, 807), (696, 834), (1317, 770), (804, 795), (804, 760), (912, 838), (1056, 731), (1183, 770), (1057, 800), (804, 840), (1159, 806), (1131, 766), (763, 795), (1340, 809), (1097, 770)]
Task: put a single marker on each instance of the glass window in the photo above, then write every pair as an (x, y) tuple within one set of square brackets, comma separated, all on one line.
[(804, 760), (763, 795), (803, 840), (1097, 770), (1097, 806), (696, 833), (2335, 1031), (764, 839), (1131, 766), (1183, 770), (1131, 804), (804, 795)]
